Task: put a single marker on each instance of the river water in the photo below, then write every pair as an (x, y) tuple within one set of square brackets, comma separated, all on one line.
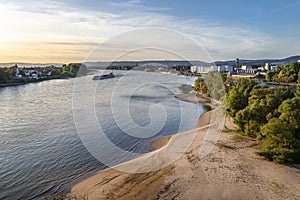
[(41, 150)]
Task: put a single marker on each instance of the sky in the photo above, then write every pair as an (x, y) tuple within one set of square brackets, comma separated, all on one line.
[(95, 30)]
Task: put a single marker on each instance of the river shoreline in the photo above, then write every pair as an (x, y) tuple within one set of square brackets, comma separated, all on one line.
[(193, 97), (232, 170), (82, 188)]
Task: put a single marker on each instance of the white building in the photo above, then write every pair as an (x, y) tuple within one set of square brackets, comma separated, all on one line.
[(199, 69), (18, 75), (34, 75), (203, 69), (221, 69), (273, 67), (27, 73), (213, 68), (246, 67), (299, 60), (267, 66), (225, 68), (162, 69), (229, 68), (193, 69)]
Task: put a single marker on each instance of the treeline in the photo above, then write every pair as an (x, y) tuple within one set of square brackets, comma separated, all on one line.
[(271, 115), (289, 73), (214, 85), (8, 75), (71, 70)]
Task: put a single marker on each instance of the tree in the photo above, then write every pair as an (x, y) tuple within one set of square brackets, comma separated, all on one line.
[(270, 76), (212, 86), (297, 93), (282, 135), (215, 83), (4, 76), (280, 145), (290, 113), (72, 69), (200, 86), (287, 74), (229, 84), (237, 98), (262, 103)]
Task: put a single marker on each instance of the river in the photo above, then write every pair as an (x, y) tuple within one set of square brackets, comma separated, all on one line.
[(41, 151)]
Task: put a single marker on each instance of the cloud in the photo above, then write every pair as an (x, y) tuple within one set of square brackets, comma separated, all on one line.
[(270, 12), (60, 26), (138, 5)]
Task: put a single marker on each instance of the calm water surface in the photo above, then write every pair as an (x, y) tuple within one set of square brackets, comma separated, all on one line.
[(40, 150)]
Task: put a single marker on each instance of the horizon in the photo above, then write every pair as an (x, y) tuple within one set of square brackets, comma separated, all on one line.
[(68, 31), (155, 60)]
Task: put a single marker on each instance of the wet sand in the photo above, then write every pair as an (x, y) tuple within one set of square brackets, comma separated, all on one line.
[(231, 170)]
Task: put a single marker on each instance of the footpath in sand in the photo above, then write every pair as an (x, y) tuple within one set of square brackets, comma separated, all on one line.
[(231, 170)]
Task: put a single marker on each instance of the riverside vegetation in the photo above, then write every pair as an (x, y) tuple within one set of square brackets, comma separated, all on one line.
[(8, 75), (271, 115)]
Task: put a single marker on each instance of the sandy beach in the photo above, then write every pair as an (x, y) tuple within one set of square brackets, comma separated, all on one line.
[(231, 170)]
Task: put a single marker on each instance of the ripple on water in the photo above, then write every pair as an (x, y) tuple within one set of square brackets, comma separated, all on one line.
[(40, 151)]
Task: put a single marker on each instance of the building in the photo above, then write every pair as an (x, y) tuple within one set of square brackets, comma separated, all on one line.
[(18, 74), (162, 69), (299, 60), (199, 69), (247, 71), (203, 70), (262, 68), (229, 68), (34, 75), (267, 66), (193, 69), (246, 67), (225, 68), (273, 67), (213, 68), (221, 69)]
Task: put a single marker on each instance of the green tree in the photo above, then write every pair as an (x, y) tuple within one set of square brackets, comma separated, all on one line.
[(297, 93), (229, 84), (72, 69), (237, 98), (282, 135), (262, 103), (270, 76), (4, 76), (211, 86), (200, 86), (287, 74), (280, 145), (215, 83), (290, 113)]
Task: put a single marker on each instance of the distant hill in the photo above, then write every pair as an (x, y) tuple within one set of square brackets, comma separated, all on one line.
[(170, 63), (152, 63), (261, 61)]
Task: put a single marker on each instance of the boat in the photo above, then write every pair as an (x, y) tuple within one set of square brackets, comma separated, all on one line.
[(104, 76)]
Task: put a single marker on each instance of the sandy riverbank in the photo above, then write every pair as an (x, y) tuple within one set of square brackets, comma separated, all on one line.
[(203, 120), (231, 170)]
